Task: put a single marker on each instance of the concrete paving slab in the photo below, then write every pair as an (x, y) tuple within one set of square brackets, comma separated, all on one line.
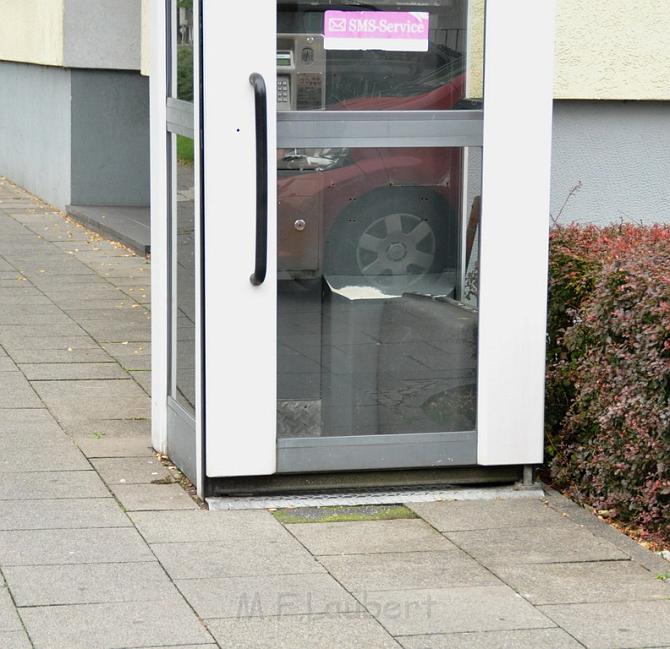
[(54, 457), (89, 584), (50, 547), (16, 392), (483, 515), (142, 470), (133, 356), (48, 485), (405, 570), (369, 537), (568, 543), (143, 378), (344, 631), (68, 328), (7, 365), (9, 620), (106, 331), (61, 343), (570, 583), (265, 596), (86, 400), (14, 640), (61, 514), (535, 639), (119, 447), (235, 559), (452, 610), (72, 371), (151, 497), (66, 355), (204, 526), (615, 625), (112, 626)]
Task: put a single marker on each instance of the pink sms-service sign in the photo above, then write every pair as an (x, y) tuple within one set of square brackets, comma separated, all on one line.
[(398, 31)]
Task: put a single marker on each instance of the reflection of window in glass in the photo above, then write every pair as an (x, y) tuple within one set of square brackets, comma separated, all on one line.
[(447, 75), (184, 40), (184, 242)]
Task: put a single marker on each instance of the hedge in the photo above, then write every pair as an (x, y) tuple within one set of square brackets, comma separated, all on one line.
[(608, 371)]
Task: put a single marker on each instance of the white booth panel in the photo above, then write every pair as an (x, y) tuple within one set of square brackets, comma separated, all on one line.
[(514, 231), (240, 319)]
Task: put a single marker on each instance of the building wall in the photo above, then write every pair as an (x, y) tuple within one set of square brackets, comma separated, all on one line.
[(110, 138), (35, 129), (145, 55), (102, 34), (31, 31), (612, 49), (620, 151)]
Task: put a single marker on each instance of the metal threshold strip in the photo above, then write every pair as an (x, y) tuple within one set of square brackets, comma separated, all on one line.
[(374, 497)]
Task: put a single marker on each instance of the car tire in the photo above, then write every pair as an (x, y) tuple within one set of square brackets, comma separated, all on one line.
[(393, 238)]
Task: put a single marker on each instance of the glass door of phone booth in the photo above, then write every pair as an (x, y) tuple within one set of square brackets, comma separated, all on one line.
[(372, 228), (342, 162)]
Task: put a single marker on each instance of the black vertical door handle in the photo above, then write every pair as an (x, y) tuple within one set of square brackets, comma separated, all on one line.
[(261, 104)]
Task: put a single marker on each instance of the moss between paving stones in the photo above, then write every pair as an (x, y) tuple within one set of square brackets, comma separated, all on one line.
[(343, 513)]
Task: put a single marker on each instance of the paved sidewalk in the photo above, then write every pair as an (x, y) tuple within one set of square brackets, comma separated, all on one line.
[(99, 550)]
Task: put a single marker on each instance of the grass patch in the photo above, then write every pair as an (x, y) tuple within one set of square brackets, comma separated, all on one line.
[(343, 513), (184, 149)]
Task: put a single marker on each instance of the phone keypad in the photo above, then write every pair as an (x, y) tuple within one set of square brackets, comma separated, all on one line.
[(283, 91)]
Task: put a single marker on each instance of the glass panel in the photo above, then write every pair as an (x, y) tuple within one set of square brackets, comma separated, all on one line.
[(184, 41), (377, 291), (380, 55), (184, 277)]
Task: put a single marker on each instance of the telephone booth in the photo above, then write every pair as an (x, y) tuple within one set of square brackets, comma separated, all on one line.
[(349, 238)]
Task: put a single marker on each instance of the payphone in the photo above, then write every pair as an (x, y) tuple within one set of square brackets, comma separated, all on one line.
[(301, 72)]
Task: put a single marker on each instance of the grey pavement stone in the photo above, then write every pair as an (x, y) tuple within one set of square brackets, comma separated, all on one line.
[(59, 343), (16, 392), (66, 355), (9, 620), (144, 380), (483, 515), (150, 497), (109, 331), (14, 640), (113, 625), (452, 610), (133, 356), (123, 310), (86, 400), (141, 470), (48, 547), (240, 558), (204, 526), (61, 514), (70, 371), (7, 365), (120, 447), (53, 457), (406, 570), (26, 419), (369, 537), (534, 639), (264, 596), (40, 330), (46, 485), (345, 631), (568, 543), (615, 625), (89, 584), (569, 583)]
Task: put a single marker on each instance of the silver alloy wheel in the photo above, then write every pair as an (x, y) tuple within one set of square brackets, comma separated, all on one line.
[(393, 245)]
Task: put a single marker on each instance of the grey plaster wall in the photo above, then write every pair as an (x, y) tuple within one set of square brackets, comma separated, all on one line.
[(110, 138), (102, 34), (35, 129), (620, 151)]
